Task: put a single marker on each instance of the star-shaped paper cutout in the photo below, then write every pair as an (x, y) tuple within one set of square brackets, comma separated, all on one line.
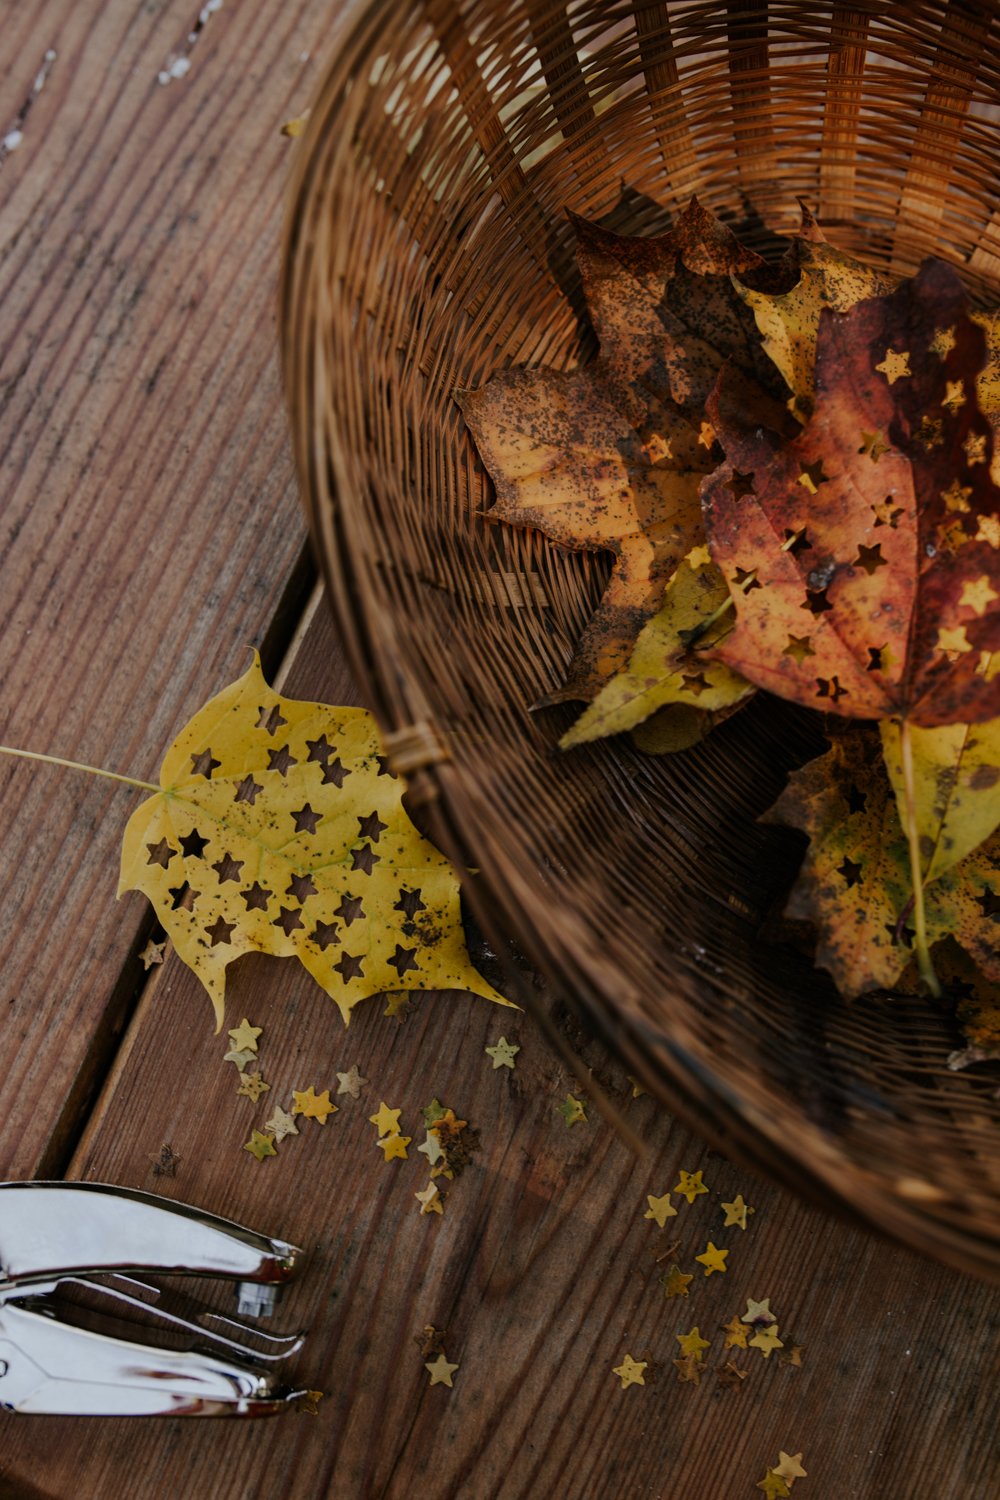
[(308, 1403), (431, 1113), (874, 445), (977, 595), (736, 1334), (441, 1371), (792, 1355), (731, 1375), (313, 1106), (503, 1053), (956, 496), (260, 1145), (432, 1148), (773, 1485), (281, 1124), (943, 342), (675, 1282), (790, 1467), (688, 1368), (252, 1086), (767, 1340), (690, 1185), (637, 1088), (974, 448), (758, 1312), (736, 1212), (952, 638), (351, 1082), (152, 953), (428, 1341), (385, 1120), (429, 1199), (240, 1056), (954, 395), (244, 1036), (660, 1209), (165, 1162), (712, 1259), (692, 1343), (573, 1111), (630, 1371), (895, 365), (394, 1146)]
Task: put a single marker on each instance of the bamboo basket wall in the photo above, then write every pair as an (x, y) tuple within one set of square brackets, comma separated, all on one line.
[(428, 247)]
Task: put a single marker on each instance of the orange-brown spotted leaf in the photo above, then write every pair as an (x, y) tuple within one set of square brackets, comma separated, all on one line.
[(666, 311), (578, 456), (854, 884), (872, 560)]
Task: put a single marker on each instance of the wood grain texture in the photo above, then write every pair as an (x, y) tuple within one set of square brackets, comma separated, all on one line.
[(542, 1271), (149, 521)]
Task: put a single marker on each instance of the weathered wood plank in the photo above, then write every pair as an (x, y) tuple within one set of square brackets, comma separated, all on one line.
[(149, 522), (541, 1270)]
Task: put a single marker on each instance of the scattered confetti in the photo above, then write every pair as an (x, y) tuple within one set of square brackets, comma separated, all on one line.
[(240, 1056), (503, 1053), (281, 1124), (429, 1340), (758, 1312), (432, 1113), (313, 1106), (440, 1370), (773, 1485), (675, 1282), (252, 1086), (637, 1088), (667, 1252), (260, 1145), (736, 1334), (165, 1162), (429, 1199), (295, 126), (244, 1036), (731, 1376), (712, 1259), (688, 1368), (692, 1343), (432, 1149), (399, 1005), (790, 1468), (660, 1209), (736, 1212), (573, 1111), (630, 1371), (690, 1185), (767, 1340), (394, 1146), (351, 1082), (386, 1120), (152, 953), (792, 1355), (308, 1403)]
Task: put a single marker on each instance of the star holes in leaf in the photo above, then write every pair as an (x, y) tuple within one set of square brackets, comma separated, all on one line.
[(298, 836)]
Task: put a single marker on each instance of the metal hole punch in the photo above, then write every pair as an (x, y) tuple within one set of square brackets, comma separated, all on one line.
[(80, 1250)]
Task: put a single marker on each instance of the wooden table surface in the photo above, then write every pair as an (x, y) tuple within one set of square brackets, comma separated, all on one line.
[(150, 534)]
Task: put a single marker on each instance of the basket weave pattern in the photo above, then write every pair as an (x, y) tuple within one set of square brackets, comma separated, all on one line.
[(428, 247)]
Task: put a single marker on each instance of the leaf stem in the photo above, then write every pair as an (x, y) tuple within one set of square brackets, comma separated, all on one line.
[(691, 637), (921, 949), (75, 765)]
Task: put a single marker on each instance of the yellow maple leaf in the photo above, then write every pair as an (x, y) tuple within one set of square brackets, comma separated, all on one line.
[(279, 828)]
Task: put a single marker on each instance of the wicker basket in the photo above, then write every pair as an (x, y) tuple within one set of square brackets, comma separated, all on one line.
[(429, 247)]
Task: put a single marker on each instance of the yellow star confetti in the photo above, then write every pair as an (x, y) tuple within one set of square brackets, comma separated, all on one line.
[(394, 1146), (441, 1371), (790, 1468), (767, 1340), (660, 1209), (974, 449), (930, 432), (308, 1403), (690, 1185), (758, 1312), (692, 1343), (978, 595), (503, 1053), (989, 530), (630, 1371), (244, 1036), (429, 1199), (953, 639), (240, 1056), (943, 342), (295, 126), (573, 1111), (706, 435), (895, 366), (385, 1120), (399, 1006), (956, 496), (712, 1259), (637, 1088), (675, 1282), (792, 1355), (688, 1368), (432, 1148), (736, 1212), (736, 1334), (260, 1145), (281, 1124), (773, 1485), (152, 954), (313, 1106), (954, 395), (731, 1375), (252, 1086), (874, 445), (351, 1082)]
